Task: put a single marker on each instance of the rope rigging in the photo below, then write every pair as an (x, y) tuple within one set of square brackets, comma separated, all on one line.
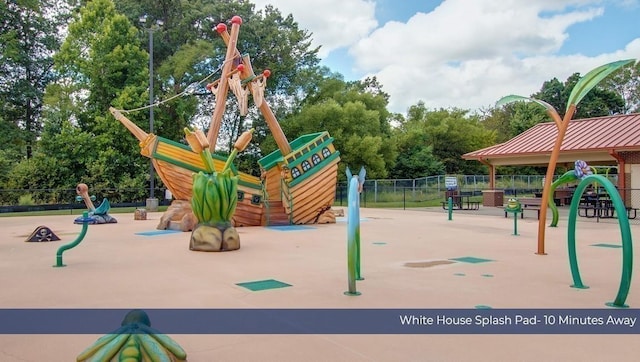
[(190, 89)]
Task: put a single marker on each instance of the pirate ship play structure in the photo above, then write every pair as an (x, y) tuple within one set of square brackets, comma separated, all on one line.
[(298, 182)]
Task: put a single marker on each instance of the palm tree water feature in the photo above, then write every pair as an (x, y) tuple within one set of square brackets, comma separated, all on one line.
[(580, 90), (215, 198), (86, 220), (625, 231), (356, 183)]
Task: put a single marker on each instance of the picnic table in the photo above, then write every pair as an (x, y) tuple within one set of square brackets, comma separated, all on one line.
[(600, 206), (462, 201)]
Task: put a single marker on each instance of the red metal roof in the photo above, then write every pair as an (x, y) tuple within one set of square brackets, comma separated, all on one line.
[(617, 133)]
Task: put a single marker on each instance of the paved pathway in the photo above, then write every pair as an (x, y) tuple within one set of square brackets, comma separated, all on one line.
[(406, 261)]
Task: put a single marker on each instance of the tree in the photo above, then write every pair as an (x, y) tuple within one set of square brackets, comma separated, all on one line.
[(415, 160), (526, 115), (28, 38), (601, 101), (189, 50), (99, 65), (626, 83), (355, 114), (498, 120), (449, 134)]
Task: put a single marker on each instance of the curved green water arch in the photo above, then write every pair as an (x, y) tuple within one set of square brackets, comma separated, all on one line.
[(569, 176), (625, 231)]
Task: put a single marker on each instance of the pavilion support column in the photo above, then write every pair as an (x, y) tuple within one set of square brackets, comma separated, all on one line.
[(492, 173), (622, 183), (492, 177), (491, 197)]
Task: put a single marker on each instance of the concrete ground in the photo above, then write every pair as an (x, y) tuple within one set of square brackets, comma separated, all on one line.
[(116, 267)]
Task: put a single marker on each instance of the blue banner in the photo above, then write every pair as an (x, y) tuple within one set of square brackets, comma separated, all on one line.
[(328, 321)]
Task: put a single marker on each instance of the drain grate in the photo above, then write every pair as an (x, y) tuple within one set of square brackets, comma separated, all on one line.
[(471, 259), (603, 245), (157, 232), (427, 264), (263, 285), (290, 227)]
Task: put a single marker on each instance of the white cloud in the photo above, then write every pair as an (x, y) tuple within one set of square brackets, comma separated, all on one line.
[(334, 23), (465, 53)]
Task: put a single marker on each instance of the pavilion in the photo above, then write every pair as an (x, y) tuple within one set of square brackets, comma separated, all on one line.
[(610, 140)]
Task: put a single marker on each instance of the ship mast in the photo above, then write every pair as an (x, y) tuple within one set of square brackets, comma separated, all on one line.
[(221, 88), (254, 84)]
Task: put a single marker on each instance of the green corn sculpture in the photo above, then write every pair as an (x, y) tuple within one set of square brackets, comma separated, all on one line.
[(215, 198)]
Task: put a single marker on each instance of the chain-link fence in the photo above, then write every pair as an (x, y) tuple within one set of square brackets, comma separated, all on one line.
[(425, 191), (413, 192), (431, 191), (17, 200)]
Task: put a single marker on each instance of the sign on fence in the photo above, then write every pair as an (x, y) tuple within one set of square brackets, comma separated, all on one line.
[(451, 182)]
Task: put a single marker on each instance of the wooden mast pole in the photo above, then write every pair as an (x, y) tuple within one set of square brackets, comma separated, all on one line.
[(223, 85), (267, 113)]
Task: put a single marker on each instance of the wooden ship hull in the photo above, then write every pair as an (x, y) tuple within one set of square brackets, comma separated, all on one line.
[(298, 188), (301, 184), (175, 164)]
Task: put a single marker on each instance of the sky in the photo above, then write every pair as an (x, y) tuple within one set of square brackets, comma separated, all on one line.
[(465, 54)]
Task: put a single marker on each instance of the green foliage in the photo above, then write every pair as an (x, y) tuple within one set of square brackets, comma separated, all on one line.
[(102, 66), (591, 79), (525, 116), (28, 37), (415, 160), (26, 200), (356, 116), (594, 101), (41, 174), (187, 49), (11, 144), (626, 83), (449, 134), (554, 93)]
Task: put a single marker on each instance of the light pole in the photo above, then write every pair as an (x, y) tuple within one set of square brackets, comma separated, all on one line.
[(152, 202)]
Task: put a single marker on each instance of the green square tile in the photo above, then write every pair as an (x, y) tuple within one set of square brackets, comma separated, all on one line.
[(604, 245), (263, 285), (471, 259)]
